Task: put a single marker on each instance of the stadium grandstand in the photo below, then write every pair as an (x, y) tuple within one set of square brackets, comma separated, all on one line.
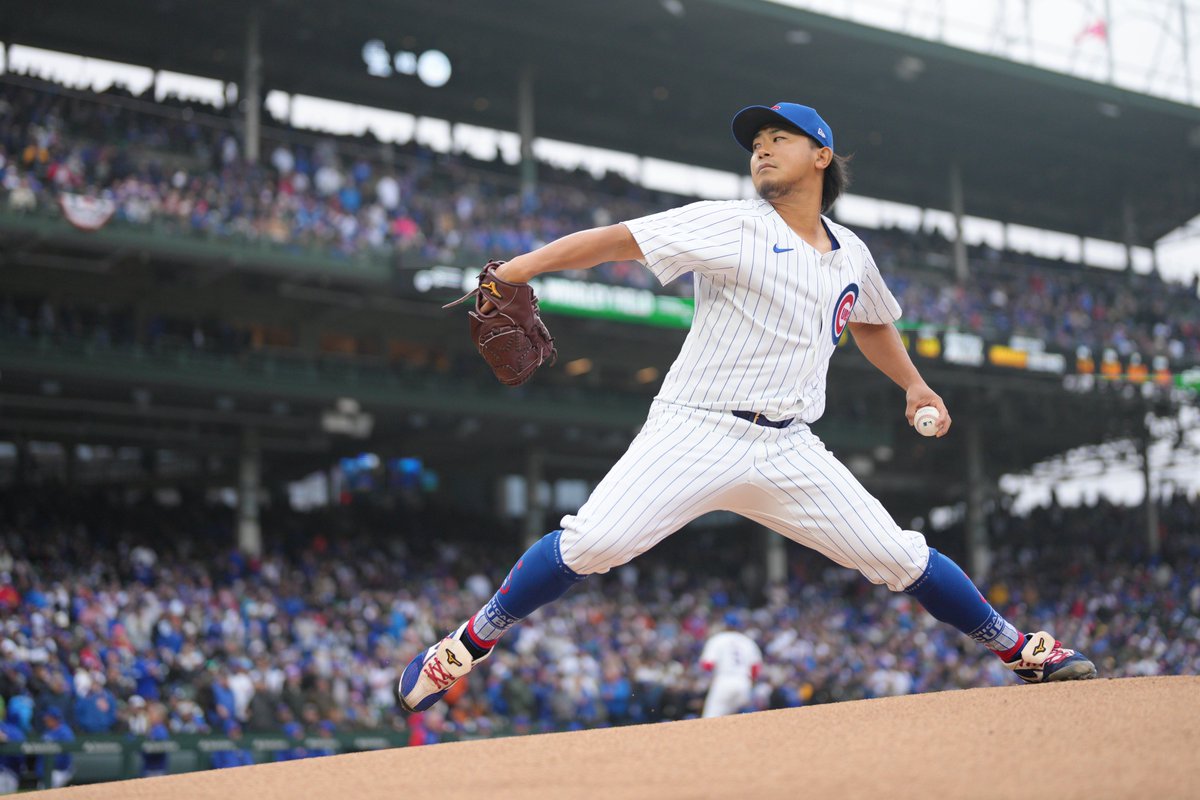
[(249, 467)]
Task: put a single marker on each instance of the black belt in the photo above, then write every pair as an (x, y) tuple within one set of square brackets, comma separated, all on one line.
[(758, 419)]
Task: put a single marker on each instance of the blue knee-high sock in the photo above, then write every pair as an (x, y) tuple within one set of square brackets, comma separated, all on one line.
[(539, 577), (949, 595)]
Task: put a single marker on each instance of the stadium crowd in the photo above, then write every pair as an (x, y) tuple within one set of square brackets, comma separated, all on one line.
[(345, 197), (177, 167), (128, 616)]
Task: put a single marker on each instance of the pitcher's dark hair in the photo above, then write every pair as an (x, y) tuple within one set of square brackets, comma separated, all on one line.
[(837, 179)]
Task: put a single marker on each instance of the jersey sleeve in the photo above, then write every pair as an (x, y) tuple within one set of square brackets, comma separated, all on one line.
[(709, 654), (876, 303), (700, 237)]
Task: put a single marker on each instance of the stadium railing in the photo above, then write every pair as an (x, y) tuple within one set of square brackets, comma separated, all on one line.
[(170, 241), (109, 757)]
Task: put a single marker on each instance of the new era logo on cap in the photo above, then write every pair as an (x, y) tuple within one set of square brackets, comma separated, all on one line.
[(748, 122)]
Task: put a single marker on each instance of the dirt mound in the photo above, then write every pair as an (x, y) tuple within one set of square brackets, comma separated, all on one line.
[(1135, 737)]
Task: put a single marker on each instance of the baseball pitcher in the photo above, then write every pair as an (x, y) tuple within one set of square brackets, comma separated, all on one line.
[(777, 283)]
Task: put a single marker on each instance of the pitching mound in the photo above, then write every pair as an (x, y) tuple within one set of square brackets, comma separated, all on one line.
[(1136, 737)]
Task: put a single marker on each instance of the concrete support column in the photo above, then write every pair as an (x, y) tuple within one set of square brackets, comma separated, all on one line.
[(24, 466), (535, 512), (70, 463), (957, 208), (525, 129), (252, 89), (1129, 233), (979, 556), (249, 533), (1150, 503), (776, 557)]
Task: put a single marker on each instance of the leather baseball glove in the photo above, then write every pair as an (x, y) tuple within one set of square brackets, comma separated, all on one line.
[(510, 336)]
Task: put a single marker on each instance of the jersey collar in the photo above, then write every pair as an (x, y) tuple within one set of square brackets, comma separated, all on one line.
[(832, 239)]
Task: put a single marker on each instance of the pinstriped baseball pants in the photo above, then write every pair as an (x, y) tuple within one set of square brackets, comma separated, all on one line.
[(686, 462)]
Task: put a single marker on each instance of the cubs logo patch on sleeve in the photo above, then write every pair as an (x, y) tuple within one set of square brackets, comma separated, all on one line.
[(842, 310)]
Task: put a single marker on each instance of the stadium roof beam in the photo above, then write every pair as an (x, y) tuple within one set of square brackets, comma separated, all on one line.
[(1038, 148)]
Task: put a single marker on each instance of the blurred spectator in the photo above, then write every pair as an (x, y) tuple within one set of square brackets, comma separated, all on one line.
[(155, 764), (137, 716), (57, 730), (237, 757), (262, 711), (295, 732), (11, 732), (96, 709)]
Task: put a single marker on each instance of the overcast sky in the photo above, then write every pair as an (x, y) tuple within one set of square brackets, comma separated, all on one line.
[(1149, 53), (1141, 47)]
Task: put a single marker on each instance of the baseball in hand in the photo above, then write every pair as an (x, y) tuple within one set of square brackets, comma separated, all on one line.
[(926, 421)]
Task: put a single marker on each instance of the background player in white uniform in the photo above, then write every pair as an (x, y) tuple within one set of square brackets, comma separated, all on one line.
[(776, 285), (734, 661)]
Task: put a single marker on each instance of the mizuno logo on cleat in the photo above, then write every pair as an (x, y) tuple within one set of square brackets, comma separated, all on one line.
[(453, 659), (1039, 648)]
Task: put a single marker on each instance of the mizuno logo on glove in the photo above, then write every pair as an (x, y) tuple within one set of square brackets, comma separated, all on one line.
[(514, 341)]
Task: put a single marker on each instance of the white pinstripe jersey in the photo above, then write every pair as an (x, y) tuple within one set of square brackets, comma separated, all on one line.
[(769, 307)]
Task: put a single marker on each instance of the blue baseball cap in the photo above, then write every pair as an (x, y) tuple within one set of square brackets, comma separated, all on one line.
[(750, 120)]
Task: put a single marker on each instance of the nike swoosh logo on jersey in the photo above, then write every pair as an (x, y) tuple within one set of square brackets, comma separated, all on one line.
[(779, 249)]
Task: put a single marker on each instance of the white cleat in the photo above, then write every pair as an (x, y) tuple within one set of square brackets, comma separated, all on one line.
[(1043, 659), (427, 677)]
